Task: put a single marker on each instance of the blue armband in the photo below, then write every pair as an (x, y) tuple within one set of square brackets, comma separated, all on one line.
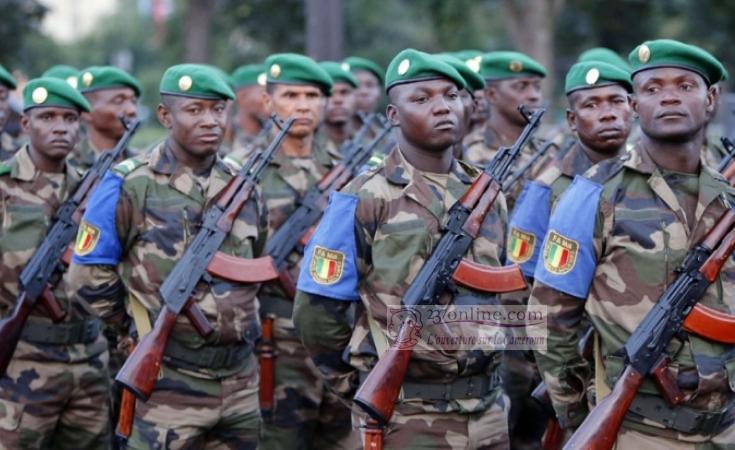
[(97, 240), (528, 226)]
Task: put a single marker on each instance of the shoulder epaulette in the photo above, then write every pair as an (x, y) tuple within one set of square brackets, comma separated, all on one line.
[(129, 165), (605, 170)]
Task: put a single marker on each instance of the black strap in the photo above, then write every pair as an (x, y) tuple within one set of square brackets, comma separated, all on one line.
[(476, 386), (213, 357), (681, 418), (69, 333), (275, 305)]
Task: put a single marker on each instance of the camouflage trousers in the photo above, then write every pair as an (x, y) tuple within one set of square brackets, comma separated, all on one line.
[(633, 440), (189, 412), (55, 396), (306, 414), (486, 430), (527, 419)]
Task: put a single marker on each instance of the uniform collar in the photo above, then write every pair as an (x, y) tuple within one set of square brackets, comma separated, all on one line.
[(575, 162), (23, 169)]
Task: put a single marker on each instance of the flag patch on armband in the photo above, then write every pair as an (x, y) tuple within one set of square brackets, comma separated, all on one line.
[(560, 253), (521, 245), (87, 238), (326, 265)]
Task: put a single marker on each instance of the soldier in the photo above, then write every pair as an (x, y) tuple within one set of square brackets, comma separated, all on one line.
[(341, 105), (63, 72), (602, 54), (7, 84), (54, 393), (473, 58), (383, 227), (613, 243), (113, 93), (137, 226), (251, 115), (370, 83)]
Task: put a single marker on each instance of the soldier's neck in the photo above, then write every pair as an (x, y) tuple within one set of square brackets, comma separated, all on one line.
[(249, 124), (426, 160), (197, 163), (99, 141), (596, 156), (505, 131), (338, 132), (674, 156), (298, 146), (45, 164)]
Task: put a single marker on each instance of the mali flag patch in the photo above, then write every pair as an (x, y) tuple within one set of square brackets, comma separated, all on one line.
[(326, 265), (560, 253), (521, 245), (87, 238)]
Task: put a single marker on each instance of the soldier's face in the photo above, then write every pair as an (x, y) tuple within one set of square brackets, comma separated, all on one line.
[(250, 100), (341, 105), (482, 109), (673, 104), (468, 104), (304, 103), (196, 125), (429, 113), (368, 93), (52, 131), (107, 106), (601, 117), (505, 96), (4, 105)]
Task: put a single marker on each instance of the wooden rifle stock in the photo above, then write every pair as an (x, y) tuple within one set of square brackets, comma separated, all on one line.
[(266, 361), (489, 279), (474, 222), (373, 435), (127, 413)]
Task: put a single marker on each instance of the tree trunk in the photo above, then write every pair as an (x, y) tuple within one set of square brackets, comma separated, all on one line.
[(197, 25), (325, 29)]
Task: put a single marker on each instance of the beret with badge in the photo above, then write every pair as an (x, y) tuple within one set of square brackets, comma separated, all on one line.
[(106, 77), (605, 55), (472, 58), (248, 75), (292, 68), (339, 73), (411, 66), (671, 53), (64, 72), (506, 64), (52, 92), (473, 80), (195, 80), (355, 63), (594, 74), (7, 79)]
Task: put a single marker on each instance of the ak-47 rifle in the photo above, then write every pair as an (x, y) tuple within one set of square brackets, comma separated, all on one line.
[(45, 268), (730, 149), (141, 369), (677, 308), (379, 392), (295, 231), (518, 174)]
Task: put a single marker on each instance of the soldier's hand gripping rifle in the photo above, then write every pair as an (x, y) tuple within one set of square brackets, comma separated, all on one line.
[(141, 369), (46, 266), (378, 394), (295, 230)]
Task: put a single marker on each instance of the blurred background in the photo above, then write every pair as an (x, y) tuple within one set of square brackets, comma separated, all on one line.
[(146, 36)]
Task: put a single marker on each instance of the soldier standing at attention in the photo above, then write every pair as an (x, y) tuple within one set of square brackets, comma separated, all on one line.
[(613, 243), (383, 225), (341, 105), (370, 83), (112, 92), (54, 394), (139, 222), (7, 84), (473, 59), (63, 72), (251, 115)]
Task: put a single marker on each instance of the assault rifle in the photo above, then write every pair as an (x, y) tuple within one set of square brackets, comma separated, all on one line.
[(140, 371), (521, 171), (378, 394), (46, 266)]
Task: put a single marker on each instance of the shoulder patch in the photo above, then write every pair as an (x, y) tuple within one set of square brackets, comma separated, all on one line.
[(126, 167), (528, 225), (569, 259), (5, 169)]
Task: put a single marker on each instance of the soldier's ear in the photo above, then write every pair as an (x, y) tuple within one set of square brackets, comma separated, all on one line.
[(268, 102), (391, 112), (164, 116), (634, 105), (572, 120), (25, 123), (491, 94), (711, 100)]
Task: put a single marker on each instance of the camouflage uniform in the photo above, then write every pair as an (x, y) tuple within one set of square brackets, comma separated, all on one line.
[(639, 231), (398, 218), (55, 390), (7, 146), (306, 414), (85, 154), (712, 152), (158, 205)]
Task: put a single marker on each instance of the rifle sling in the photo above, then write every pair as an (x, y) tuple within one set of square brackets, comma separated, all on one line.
[(49, 333), (140, 316), (475, 386)]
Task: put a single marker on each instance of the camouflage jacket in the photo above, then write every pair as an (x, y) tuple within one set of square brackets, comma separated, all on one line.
[(29, 199), (140, 221), (613, 258), (398, 219), (85, 154), (8, 146), (712, 152)]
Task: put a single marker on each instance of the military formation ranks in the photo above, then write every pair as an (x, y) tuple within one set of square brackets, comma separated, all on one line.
[(322, 225)]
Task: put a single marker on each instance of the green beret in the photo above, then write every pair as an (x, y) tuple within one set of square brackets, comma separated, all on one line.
[(472, 79), (594, 74), (671, 53), (411, 65), (471, 57), (107, 77), (222, 74), (292, 68), (340, 72), (63, 72), (195, 80), (6, 78), (500, 65), (605, 55), (356, 63), (43, 92), (248, 75)]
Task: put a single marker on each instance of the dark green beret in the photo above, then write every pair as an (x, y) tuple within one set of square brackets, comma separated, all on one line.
[(222, 74), (594, 74), (6, 78), (671, 53), (43, 92), (292, 68), (195, 80), (340, 72), (410, 66), (505, 64), (107, 77), (356, 63), (471, 57), (605, 55), (63, 72), (473, 80), (248, 75)]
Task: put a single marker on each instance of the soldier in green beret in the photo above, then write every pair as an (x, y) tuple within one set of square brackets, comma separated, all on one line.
[(113, 93), (7, 84), (63, 72), (370, 82), (251, 115), (604, 55), (632, 221), (143, 215), (54, 394), (473, 58), (382, 226), (341, 105)]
